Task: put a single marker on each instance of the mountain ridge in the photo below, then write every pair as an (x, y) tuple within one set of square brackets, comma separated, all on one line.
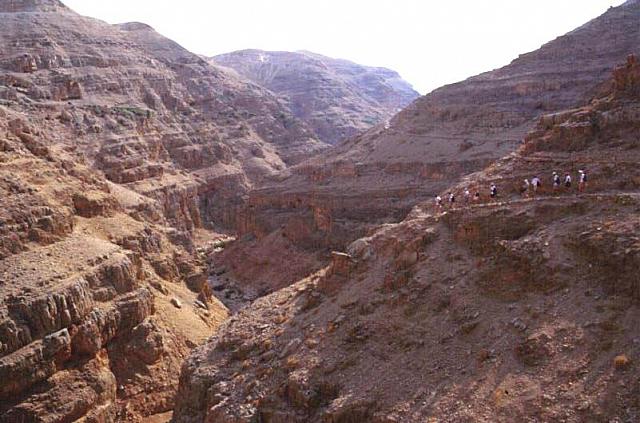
[(18, 6), (336, 97)]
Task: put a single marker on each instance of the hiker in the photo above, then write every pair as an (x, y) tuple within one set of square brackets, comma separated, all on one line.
[(452, 199), (525, 188), (476, 196), (439, 202), (467, 195), (494, 191), (582, 182), (556, 181), (567, 180), (535, 181)]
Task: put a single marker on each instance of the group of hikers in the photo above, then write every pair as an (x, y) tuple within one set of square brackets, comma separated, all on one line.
[(529, 188), (535, 183)]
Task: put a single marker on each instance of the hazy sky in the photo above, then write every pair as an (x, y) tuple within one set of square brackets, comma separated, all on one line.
[(431, 43)]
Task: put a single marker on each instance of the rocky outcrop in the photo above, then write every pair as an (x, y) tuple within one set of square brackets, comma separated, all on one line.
[(96, 203), (43, 332), (336, 98), (78, 286), (515, 308)]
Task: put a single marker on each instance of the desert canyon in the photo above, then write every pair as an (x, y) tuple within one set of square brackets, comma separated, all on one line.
[(252, 237)]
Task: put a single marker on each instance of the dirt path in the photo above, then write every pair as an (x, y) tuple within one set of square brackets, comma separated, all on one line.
[(495, 204)]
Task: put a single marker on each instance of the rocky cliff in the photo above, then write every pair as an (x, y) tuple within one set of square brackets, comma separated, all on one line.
[(142, 108), (518, 308), (116, 147), (377, 177), (337, 98), (88, 274)]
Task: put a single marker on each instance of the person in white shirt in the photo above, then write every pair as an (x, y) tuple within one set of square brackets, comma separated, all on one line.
[(556, 181), (582, 182), (567, 180), (535, 181)]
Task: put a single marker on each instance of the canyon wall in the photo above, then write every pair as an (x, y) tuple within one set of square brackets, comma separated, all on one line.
[(89, 279), (376, 177), (515, 308), (143, 110)]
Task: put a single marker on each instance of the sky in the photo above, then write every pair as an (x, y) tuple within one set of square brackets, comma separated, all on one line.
[(430, 43)]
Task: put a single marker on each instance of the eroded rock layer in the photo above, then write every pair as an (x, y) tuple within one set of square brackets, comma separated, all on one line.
[(145, 111), (116, 147), (519, 308), (87, 274), (461, 128)]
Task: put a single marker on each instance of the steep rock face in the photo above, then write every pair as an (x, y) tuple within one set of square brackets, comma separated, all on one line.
[(508, 309), (141, 108), (453, 131), (116, 147), (87, 273), (337, 98)]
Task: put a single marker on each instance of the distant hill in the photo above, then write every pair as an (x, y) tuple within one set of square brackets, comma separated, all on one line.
[(337, 98)]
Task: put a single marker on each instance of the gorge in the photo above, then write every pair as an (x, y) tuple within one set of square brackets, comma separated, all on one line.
[(252, 237)]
